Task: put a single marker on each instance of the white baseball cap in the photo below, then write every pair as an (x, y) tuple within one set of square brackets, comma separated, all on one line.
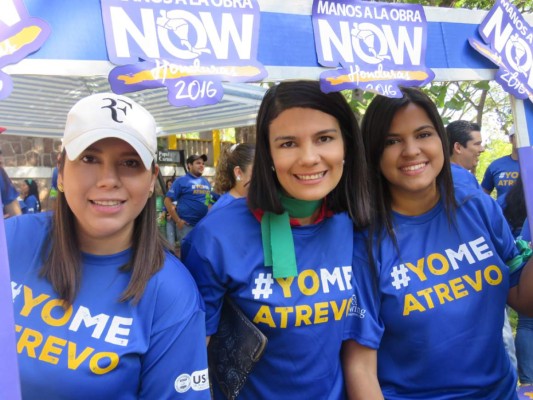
[(109, 115)]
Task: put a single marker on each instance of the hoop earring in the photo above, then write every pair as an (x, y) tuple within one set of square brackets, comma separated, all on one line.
[(60, 187)]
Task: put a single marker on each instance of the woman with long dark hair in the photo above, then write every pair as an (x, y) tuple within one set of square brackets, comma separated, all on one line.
[(102, 309), (445, 264), (284, 254)]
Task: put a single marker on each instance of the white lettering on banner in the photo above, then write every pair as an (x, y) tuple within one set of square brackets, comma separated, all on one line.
[(371, 43), (174, 31), (372, 12), (516, 50), (205, 3), (9, 15)]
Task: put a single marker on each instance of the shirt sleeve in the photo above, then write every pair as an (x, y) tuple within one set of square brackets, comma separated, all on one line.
[(488, 183), (175, 364), (209, 280), (366, 326)]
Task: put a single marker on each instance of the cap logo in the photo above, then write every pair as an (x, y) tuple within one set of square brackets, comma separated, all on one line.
[(115, 108)]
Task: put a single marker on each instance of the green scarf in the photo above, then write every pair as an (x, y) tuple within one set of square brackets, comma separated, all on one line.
[(278, 243)]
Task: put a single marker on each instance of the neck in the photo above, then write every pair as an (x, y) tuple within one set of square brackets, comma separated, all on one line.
[(413, 204), (304, 211), (514, 155), (237, 191), (308, 220)]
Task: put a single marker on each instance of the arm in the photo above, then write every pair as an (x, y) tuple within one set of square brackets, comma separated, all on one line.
[(360, 371), (12, 209), (173, 213), (177, 351), (520, 297)]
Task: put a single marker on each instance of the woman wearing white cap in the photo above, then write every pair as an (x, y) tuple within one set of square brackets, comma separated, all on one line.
[(102, 308)]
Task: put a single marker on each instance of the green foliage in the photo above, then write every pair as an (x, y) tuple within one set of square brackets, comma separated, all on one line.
[(496, 149)]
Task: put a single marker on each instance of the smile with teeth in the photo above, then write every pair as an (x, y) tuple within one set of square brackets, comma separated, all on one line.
[(311, 176), (414, 167), (108, 203)]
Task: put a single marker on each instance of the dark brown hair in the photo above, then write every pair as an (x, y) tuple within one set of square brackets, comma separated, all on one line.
[(62, 262), (351, 194)]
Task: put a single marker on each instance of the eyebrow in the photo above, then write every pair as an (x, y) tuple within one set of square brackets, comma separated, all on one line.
[(100, 151), (331, 130), (420, 128)]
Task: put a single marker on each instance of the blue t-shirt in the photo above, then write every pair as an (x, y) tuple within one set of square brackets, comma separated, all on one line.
[(31, 205), (7, 190), (55, 172), (304, 317), (501, 174), (101, 348), (461, 176), (437, 322), (191, 193), (223, 201)]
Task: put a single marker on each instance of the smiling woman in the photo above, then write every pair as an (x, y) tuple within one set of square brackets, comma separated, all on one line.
[(114, 302), (445, 265), (291, 273)]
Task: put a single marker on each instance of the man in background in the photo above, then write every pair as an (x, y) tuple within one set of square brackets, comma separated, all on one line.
[(466, 145), (502, 173), (192, 192)]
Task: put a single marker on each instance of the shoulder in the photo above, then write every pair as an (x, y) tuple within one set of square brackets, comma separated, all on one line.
[(230, 219), (468, 198), (174, 291), (33, 224)]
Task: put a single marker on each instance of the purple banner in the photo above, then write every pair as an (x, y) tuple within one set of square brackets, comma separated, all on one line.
[(379, 46), (9, 372), (20, 35), (508, 44), (190, 47)]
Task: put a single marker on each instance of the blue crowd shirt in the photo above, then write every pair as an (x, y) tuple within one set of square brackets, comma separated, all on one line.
[(192, 194), (501, 175)]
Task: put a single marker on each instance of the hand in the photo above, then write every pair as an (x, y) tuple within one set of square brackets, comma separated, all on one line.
[(181, 223)]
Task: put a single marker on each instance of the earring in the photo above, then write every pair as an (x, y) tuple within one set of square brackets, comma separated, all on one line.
[(273, 169), (342, 162), (150, 193), (238, 178), (60, 187)]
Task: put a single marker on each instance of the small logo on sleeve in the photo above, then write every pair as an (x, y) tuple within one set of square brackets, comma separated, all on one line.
[(197, 381)]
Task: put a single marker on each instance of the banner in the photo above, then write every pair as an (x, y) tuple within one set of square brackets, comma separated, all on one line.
[(188, 46), (379, 46), (508, 44)]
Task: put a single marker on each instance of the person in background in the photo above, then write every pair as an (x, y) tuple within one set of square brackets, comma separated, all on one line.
[(444, 264), (30, 197), (284, 254), (192, 192), (102, 309), (233, 173), (9, 196), (515, 212), (170, 226), (466, 145), (503, 172)]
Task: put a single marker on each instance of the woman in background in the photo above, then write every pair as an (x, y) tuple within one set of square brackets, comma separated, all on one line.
[(233, 173), (30, 197)]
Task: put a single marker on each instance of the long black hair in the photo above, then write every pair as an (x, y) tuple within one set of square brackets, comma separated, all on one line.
[(351, 194), (375, 128)]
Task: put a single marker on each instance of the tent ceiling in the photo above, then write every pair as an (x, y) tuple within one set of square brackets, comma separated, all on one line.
[(39, 104)]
